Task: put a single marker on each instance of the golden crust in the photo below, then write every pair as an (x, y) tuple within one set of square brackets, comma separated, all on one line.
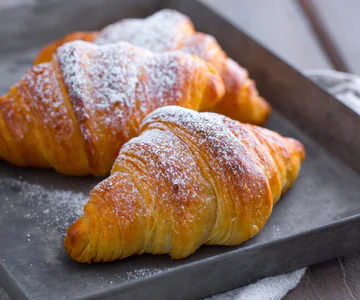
[(169, 30), (188, 179), (75, 112)]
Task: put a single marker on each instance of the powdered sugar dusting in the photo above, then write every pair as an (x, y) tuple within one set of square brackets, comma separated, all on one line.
[(39, 83), (164, 151), (110, 85), (139, 273), (43, 85), (208, 128), (162, 73), (226, 155), (59, 208), (202, 45), (159, 32), (163, 31)]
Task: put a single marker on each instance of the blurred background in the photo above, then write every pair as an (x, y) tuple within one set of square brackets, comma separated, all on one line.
[(305, 33)]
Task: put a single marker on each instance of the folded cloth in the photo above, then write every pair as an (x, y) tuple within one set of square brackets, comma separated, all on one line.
[(3, 294), (271, 288), (346, 88)]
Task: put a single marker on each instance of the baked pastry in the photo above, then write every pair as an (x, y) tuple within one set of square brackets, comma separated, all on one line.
[(188, 179), (170, 30), (75, 112)]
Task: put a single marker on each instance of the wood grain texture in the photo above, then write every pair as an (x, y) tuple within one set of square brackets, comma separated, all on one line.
[(279, 25), (342, 21), (335, 279)]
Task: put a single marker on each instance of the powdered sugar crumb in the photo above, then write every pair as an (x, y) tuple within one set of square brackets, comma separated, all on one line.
[(138, 273), (60, 207)]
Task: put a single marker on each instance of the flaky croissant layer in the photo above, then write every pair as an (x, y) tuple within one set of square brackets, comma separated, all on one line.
[(188, 179), (169, 30), (75, 112)]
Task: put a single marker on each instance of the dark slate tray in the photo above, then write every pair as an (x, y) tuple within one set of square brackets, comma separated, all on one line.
[(316, 220)]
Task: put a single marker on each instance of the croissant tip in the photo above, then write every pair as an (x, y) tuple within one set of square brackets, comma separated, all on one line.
[(298, 148), (260, 115), (76, 240), (265, 109), (217, 86), (214, 90)]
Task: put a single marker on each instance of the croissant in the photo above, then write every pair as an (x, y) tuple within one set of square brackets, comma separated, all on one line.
[(169, 30), (75, 112), (188, 179)]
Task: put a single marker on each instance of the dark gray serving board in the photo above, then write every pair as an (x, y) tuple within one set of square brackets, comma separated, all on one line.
[(319, 218)]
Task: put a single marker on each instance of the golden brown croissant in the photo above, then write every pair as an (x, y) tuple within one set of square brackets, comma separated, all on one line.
[(170, 30), (74, 113), (188, 179)]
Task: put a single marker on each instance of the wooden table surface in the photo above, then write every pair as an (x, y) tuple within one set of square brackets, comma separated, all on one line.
[(308, 34)]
